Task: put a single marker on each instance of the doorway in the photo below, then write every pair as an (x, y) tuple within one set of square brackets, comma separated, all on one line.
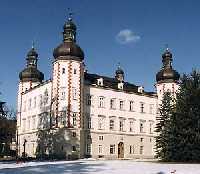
[(121, 150)]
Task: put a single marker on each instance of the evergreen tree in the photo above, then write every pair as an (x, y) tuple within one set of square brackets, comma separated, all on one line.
[(178, 127), (184, 139), (163, 127)]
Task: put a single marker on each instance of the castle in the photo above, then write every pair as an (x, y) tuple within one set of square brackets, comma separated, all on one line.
[(77, 114)]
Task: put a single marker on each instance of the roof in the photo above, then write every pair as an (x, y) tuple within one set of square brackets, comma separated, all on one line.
[(108, 82)]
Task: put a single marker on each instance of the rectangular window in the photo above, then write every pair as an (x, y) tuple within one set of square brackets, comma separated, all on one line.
[(88, 148), (131, 103), (74, 148), (101, 102), (63, 70), (29, 123), (63, 95), (74, 119), (101, 120), (40, 103), (141, 127), (121, 124), (141, 140), (131, 126), (34, 122), (35, 102), (29, 104), (101, 138), (121, 105), (112, 124), (89, 123), (24, 125), (112, 149), (24, 106), (74, 93), (142, 107), (89, 99), (141, 150), (131, 149), (151, 106), (100, 150), (74, 71), (113, 103), (150, 127)]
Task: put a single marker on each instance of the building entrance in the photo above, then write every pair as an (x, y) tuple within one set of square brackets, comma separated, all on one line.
[(121, 150)]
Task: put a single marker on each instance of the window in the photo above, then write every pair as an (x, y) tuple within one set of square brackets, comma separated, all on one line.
[(131, 149), (73, 134), (24, 107), (63, 95), (112, 124), (29, 103), (63, 70), (74, 71), (151, 106), (101, 138), (74, 119), (29, 123), (101, 102), (141, 127), (35, 102), (141, 140), (121, 104), (74, 93), (100, 82), (101, 120), (112, 149), (131, 105), (88, 148), (46, 96), (141, 150), (112, 103), (89, 99), (89, 123), (40, 103), (142, 107), (100, 149), (33, 122), (150, 127), (121, 124), (131, 126), (74, 148), (24, 125)]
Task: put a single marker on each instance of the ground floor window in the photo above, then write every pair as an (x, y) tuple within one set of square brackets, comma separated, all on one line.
[(112, 149), (131, 149), (141, 150), (100, 149), (73, 148), (88, 148)]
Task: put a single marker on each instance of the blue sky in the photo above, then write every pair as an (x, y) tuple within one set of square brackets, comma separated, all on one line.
[(132, 32)]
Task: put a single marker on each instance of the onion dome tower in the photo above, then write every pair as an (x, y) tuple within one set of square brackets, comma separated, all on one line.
[(167, 78), (167, 73), (68, 78), (119, 74), (31, 73), (69, 50)]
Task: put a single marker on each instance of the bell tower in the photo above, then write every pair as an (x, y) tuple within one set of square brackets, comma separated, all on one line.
[(167, 78)]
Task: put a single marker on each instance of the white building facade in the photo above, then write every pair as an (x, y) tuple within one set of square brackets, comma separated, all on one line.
[(77, 114)]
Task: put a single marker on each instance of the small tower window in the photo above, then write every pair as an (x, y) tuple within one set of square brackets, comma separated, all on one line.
[(75, 71), (63, 70)]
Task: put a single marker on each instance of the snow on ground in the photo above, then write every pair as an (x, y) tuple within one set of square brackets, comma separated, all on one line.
[(97, 167)]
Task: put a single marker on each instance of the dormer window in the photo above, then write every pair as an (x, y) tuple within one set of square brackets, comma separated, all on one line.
[(100, 82), (141, 89), (120, 85)]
